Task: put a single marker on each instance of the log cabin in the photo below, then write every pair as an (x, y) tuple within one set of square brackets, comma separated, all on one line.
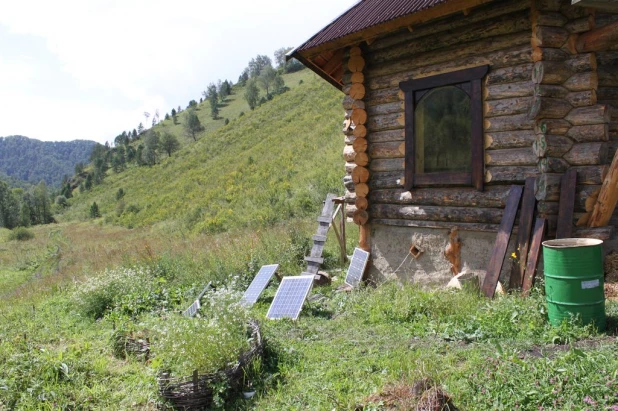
[(448, 103)]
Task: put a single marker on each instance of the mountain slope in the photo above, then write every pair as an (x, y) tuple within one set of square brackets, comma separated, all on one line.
[(33, 160), (269, 165)]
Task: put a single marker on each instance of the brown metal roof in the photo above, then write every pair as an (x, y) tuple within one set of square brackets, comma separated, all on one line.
[(365, 14)]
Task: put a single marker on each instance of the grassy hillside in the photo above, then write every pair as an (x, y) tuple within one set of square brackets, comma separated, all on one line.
[(271, 164)]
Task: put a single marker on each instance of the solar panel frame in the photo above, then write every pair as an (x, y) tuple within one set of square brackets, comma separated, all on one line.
[(290, 297), (259, 283), (357, 267), (192, 310)]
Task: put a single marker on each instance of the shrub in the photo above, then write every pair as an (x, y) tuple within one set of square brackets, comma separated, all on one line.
[(21, 234), (61, 201), (227, 121)]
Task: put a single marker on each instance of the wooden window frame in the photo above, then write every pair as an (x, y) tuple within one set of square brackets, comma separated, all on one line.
[(470, 81)]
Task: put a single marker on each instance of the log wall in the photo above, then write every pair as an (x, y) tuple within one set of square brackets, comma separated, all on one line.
[(546, 108), (498, 35)]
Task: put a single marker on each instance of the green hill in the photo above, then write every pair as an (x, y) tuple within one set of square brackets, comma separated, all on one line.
[(269, 165), (33, 160)]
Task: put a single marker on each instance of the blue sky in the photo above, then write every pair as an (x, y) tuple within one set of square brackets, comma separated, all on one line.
[(88, 69)]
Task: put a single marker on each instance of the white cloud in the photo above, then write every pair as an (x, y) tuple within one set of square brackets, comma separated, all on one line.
[(149, 54)]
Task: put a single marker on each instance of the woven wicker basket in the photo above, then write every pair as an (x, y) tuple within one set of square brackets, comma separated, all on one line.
[(195, 393)]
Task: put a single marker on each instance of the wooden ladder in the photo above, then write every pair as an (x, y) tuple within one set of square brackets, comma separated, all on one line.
[(314, 260)]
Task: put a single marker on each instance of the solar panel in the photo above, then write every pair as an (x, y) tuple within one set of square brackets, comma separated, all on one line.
[(290, 297), (193, 308), (357, 267), (258, 284)]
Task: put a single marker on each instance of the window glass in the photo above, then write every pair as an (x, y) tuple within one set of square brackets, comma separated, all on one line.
[(443, 125)]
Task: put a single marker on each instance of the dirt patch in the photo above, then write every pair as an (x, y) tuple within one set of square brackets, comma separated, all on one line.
[(541, 351), (423, 395)]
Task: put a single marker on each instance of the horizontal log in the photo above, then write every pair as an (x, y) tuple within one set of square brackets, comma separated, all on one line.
[(550, 72), (386, 179), (451, 23), (587, 154), (548, 207), (347, 102), (443, 55), (598, 114), (383, 96), (357, 91), (548, 18), (508, 90), (589, 133), (385, 122), (385, 136), (547, 5), (497, 59), (582, 81), (549, 54), (547, 107), (552, 126), (348, 183), (509, 139), (507, 107), (356, 63), (509, 174), (598, 39), (359, 116), (608, 93), (349, 197), (608, 77), (581, 63), (510, 157), (360, 131), (591, 175), (361, 189), (552, 165), (508, 123), (361, 159), (549, 36), (349, 211), (358, 104), (360, 217), (549, 145), (349, 167), (478, 227), (349, 153), (393, 149), (387, 164), (572, 13), (509, 74), (387, 108), (494, 196), (606, 58), (582, 98), (548, 90), (547, 187), (600, 233), (503, 25), (357, 77), (360, 145), (582, 193), (580, 25), (361, 203), (349, 139), (433, 213)]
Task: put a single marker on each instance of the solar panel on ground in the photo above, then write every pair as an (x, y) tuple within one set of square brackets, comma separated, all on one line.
[(193, 308), (290, 297), (258, 284), (357, 267)]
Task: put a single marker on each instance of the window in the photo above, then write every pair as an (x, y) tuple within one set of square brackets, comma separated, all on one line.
[(444, 129)]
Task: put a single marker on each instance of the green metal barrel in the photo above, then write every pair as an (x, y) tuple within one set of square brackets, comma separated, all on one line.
[(574, 280)]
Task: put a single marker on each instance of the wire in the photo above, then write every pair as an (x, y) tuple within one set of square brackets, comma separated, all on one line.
[(402, 263)]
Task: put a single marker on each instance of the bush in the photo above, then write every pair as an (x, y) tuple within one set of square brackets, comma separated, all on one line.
[(21, 234), (227, 121)]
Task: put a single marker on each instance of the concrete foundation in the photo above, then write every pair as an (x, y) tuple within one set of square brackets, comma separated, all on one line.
[(390, 246)]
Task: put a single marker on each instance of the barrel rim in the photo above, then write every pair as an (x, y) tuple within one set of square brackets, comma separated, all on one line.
[(572, 243)]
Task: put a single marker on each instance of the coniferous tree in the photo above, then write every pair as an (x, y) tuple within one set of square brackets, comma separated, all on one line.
[(169, 143), (94, 211), (252, 94), (192, 125)]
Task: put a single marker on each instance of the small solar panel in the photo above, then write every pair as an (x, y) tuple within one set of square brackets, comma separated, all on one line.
[(357, 267), (290, 297), (192, 310), (260, 281)]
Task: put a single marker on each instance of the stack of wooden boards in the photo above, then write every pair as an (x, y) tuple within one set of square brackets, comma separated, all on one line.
[(529, 238)]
